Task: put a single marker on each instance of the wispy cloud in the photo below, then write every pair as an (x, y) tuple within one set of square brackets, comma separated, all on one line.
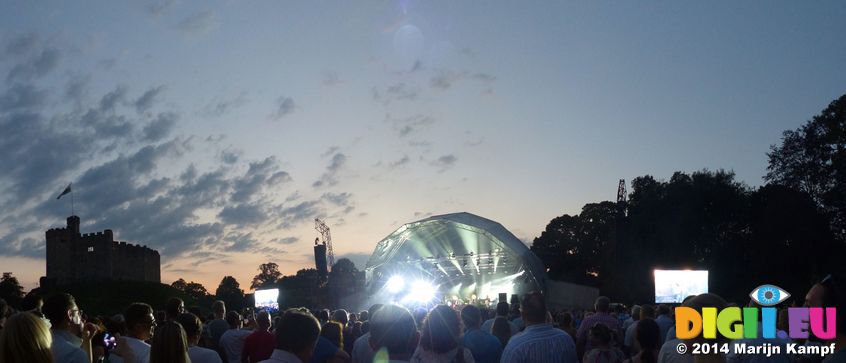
[(284, 106), (198, 24)]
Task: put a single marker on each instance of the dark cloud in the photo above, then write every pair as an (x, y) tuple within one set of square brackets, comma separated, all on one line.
[(22, 96), (398, 163), (158, 8), (405, 126), (445, 162), (242, 214), (112, 99), (230, 156), (146, 101), (198, 24), (445, 79), (160, 127), (340, 199), (220, 107), (77, 88), (294, 215), (259, 176), (284, 106), (330, 177), (286, 240), (402, 91), (35, 67), (23, 44), (331, 79)]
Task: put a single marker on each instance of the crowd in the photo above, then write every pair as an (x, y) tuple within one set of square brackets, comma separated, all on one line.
[(58, 331)]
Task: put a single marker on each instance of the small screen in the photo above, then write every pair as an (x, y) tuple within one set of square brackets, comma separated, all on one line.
[(267, 299), (672, 286)]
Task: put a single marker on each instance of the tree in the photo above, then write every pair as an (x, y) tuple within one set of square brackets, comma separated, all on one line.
[(10, 289), (344, 280), (179, 284), (302, 289), (269, 275), (812, 159), (193, 289), (230, 292)]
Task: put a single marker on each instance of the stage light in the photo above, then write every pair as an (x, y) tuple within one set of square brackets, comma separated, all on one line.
[(422, 291), (395, 284)]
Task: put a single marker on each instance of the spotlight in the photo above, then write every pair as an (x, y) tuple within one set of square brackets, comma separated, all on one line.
[(395, 284), (422, 291)]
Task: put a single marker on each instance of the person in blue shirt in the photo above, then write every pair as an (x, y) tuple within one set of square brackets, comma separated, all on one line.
[(540, 342), (484, 346)]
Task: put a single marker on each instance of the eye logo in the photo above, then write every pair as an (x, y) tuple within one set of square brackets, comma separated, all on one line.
[(768, 295)]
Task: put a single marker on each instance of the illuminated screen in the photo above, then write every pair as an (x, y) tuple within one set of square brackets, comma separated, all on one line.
[(267, 299), (672, 286)]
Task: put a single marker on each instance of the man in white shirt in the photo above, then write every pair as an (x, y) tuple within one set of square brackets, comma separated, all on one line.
[(71, 336), (296, 337), (232, 341)]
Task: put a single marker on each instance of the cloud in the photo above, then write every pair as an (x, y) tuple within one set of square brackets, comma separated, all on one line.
[(159, 128), (242, 214), (339, 199), (329, 178), (230, 156), (220, 107), (22, 96), (331, 79), (445, 162), (284, 107), (405, 126), (146, 101), (112, 99), (23, 44), (158, 8), (198, 23), (258, 177), (398, 163), (400, 91), (77, 88), (294, 215), (286, 240), (445, 79), (35, 67)]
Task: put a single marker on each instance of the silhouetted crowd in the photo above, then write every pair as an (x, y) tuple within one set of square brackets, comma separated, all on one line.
[(58, 331)]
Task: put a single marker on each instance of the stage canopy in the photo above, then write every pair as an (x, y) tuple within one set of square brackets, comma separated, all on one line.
[(462, 255)]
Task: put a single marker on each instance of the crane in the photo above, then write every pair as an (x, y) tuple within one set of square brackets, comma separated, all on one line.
[(323, 229)]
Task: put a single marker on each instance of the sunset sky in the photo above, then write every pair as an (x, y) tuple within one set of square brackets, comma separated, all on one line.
[(216, 131)]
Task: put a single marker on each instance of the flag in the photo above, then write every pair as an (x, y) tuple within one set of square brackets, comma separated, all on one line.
[(67, 190)]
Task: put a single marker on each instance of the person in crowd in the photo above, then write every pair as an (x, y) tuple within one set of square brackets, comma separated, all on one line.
[(362, 351), (484, 346), (232, 341), (780, 357), (419, 315), (539, 342), (3, 312), (668, 352), (633, 318), (502, 309), (193, 331), (646, 312), (33, 303), (296, 337), (333, 332), (173, 308), (26, 338), (516, 318), (99, 349), (664, 320), (835, 296), (140, 327), (393, 334), (602, 352), (322, 316), (356, 332), (329, 346), (169, 345), (602, 306), (648, 336), (565, 323), (258, 346), (353, 319), (440, 338), (217, 326), (71, 336), (341, 316), (501, 329)]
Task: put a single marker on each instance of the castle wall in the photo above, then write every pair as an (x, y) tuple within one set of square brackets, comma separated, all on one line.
[(74, 257)]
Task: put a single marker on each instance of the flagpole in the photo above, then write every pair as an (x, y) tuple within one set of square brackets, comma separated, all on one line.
[(72, 211)]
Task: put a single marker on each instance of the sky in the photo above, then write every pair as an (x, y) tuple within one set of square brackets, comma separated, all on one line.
[(216, 131)]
